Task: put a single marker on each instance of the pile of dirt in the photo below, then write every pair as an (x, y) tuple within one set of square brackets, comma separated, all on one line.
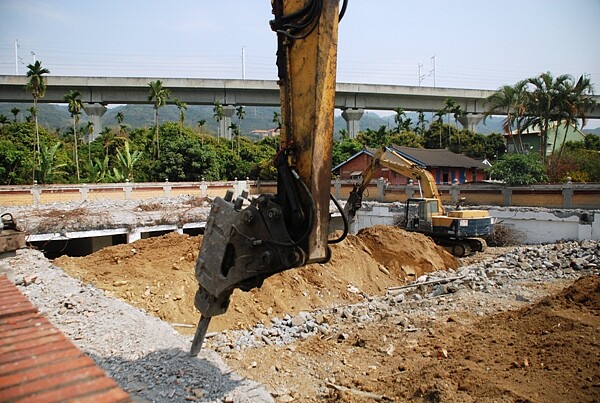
[(157, 275), (547, 351)]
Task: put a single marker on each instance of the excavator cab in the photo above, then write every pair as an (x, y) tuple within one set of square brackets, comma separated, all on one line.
[(419, 214)]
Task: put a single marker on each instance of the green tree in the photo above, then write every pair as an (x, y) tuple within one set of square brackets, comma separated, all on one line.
[(277, 119), (49, 170), (15, 111), (3, 120), (218, 114), (240, 113), (37, 86), (374, 138), (120, 117), (574, 104), (344, 149), (182, 107), (75, 105), (126, 161), (421, 121), (541, 105), (519, 169), (158, 95), (510, 100)]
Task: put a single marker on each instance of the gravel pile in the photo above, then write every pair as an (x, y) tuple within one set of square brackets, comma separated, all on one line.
[(432, 294), (146, 356)]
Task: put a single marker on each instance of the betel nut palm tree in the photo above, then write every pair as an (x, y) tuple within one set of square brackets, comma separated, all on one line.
[(182, 107), (37, 86), (512, 101), (75, 105), (158, 95)]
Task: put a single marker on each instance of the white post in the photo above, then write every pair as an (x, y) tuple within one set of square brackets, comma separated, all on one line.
[(17, 57), (243, 62)]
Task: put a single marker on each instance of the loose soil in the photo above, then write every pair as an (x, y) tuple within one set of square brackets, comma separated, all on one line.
[(548, 350), (157, 275)]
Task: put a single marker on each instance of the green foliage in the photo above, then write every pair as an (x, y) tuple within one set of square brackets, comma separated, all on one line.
[(519, 169), (374, 138), (344, 149), (49, 171)]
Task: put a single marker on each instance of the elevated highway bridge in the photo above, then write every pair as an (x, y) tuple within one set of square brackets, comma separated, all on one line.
[(352, 99)]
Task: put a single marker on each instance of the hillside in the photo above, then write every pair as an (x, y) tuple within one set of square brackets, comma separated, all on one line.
[(256, 118)]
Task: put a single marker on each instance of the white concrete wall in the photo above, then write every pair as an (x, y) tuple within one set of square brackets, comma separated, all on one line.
[(534, 225)]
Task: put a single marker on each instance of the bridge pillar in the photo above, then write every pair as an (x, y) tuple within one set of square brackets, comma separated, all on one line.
[(352, 117), (470, 120), (228, 111), (95, 113)]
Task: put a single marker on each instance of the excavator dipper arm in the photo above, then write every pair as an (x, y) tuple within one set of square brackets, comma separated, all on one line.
[(246, 241)]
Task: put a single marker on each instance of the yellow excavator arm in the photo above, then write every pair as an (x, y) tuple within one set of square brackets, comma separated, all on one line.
[(246, 240), (386, 157)]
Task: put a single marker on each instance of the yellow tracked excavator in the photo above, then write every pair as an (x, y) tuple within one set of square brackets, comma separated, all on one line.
[(459, 231), (245, 240)]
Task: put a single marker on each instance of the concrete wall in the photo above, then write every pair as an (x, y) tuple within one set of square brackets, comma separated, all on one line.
[(533, 226)]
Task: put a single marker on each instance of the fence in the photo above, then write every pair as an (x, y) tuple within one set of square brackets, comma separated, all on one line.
[(566, 195)]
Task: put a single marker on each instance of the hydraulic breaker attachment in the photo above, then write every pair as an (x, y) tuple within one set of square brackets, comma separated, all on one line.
[(247, 241)]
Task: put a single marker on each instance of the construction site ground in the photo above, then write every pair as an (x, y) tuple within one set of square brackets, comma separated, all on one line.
[(542, 348)]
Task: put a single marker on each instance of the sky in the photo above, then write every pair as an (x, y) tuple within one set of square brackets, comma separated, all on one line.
[(479, 44)]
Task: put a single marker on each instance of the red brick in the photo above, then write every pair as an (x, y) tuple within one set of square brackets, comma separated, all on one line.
[(53, 369), (10, 331), (66, 353), (25, 345), (33, 334), (19, 319), (28, 387), (37, 351), (68, 392)]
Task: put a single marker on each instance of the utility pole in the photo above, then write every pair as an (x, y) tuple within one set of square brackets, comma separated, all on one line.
[(33, 54), (421, 76), (17, 57), (243, 62), (433, 69)]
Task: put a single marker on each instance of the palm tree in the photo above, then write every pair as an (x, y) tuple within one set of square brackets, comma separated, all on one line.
[(75, 105), (511, 100), (89, 129), (440, 121), (542, 105), (182, 106), (120, 118), (3, 119), (575, 103), (32, 111), (421, 122), (15, 111), (218, 114), (158, 95), (399, 119), (37, 86), (277, 119), (240, 112)]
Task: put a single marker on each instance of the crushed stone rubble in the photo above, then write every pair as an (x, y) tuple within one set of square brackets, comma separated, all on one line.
[(430, 295), (145, 355), (150, 360)]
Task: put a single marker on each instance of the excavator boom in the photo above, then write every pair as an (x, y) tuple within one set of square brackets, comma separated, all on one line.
[(248, 240)]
